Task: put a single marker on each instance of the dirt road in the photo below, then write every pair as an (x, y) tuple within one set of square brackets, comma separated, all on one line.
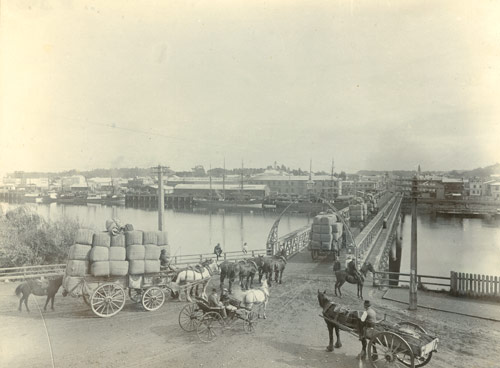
[(292, 336)]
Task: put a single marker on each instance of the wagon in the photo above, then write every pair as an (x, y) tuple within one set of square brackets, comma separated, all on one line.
[(209, 323), (404, 344), (107, 295)]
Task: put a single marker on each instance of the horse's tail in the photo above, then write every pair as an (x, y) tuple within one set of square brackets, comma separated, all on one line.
[(19, 289)]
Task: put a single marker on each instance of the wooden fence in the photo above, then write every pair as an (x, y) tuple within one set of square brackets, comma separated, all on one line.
[(21, 273), (397, 279), (474, 285)]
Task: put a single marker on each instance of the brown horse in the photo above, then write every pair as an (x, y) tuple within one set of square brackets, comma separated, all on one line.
[(231, 270), (278, 266), (36, 287), (342, 276), (248, 269)]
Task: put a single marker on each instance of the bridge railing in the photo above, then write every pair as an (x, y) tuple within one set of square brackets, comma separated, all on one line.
[(295, 241), (370, 233), (225, 256)]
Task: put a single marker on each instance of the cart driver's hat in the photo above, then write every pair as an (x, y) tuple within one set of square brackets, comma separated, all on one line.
[(214, 290), (367, 304)]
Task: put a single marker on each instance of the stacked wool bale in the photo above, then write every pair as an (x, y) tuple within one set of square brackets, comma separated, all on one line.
[(325, 230), (152, 252), (78, 260), (357, 212), (144, 249), (108, 256)]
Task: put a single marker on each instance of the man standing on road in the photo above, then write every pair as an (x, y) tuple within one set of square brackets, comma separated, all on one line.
[(368, 320)]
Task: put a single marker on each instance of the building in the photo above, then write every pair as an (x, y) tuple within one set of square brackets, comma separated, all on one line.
[(493, 189), (219, 191), (475, 187), (295, 186)]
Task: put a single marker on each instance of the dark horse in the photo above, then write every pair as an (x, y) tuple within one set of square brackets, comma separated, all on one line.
[(36, 287), (278, 266), (248, 269), (334, 312), (342, 276), (231, 270)]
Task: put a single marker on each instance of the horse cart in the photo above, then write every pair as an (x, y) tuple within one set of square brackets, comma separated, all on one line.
[(209, 323), (403, 344), (107, 295)]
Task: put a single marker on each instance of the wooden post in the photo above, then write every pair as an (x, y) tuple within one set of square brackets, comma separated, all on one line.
[(496, 285), (453, 283), (413, 260)]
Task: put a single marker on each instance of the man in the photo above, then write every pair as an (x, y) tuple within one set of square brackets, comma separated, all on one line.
[(213, 301), (218, 250), (352, 270), (229, 302), (245, 248), (368, 320)]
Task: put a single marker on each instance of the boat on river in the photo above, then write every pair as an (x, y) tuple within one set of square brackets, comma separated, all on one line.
[(227, 203)]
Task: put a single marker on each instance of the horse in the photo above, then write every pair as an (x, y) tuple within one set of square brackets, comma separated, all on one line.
[(335, 312), (248, 269), (231, 270), (258, 297), (342, 276), (267, 266), (204, 271), (278, 266), (37, 287)]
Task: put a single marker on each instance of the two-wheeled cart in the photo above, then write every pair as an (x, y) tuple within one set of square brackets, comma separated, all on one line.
[(404, 344), (209, 323)]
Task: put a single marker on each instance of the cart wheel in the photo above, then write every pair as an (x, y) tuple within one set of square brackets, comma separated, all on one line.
[(250, 323), (153, 298), (135, 295), (189, 317), (210, 327), (107, 300), (387, 349), (422, 360)]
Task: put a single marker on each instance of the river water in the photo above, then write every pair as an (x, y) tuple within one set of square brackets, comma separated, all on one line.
[(445, 244), (189, 231)]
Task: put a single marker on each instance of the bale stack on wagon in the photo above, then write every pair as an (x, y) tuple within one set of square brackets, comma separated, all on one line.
[(326, 231), (358, 212)]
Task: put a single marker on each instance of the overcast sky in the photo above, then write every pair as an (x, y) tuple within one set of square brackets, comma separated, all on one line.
[(372, 84)]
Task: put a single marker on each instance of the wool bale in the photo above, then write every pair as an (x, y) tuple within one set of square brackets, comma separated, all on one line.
[(117, 254), (315, 244), (134, 281), (317, 219), (162, 238), (326, 220), (152, 252), (72, 285), (100, 268), (326, 237), (136, 267), (99, 254), (316, 237), (84, 236), (136, 252), (118, 240), (316, 228), (337, 227), (150, 237), (336, 236), (325, 229), (326, 245), (77, 268), (79, 252), (166, 247), (133, 237), (118, 268), (101, 240), (151, 266)]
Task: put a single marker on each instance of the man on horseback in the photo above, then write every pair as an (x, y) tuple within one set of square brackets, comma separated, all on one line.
[(353, 271)]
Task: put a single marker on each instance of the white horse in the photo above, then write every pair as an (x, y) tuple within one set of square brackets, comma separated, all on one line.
[(207, 269), (259, 297)]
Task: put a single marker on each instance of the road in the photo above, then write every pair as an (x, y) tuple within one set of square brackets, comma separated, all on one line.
[(292, 336)]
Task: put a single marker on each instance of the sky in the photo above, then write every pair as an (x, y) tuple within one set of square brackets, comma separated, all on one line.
[(380, 85)]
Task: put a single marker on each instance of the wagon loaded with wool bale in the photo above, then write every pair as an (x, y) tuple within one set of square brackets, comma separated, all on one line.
[(103, 265), (326, 233)]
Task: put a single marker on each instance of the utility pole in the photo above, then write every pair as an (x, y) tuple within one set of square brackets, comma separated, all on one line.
[(413, 261), (160, 170)]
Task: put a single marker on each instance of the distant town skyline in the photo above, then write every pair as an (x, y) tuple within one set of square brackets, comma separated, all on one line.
[(374, 86)]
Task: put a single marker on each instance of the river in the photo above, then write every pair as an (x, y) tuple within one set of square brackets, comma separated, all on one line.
[(445, 244), (189, 231)]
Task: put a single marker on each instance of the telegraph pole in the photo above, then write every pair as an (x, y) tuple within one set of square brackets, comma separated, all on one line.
[(160, 170), (413, 262)]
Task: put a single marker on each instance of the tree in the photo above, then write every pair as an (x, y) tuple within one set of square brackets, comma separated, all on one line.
[(343, 175)]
